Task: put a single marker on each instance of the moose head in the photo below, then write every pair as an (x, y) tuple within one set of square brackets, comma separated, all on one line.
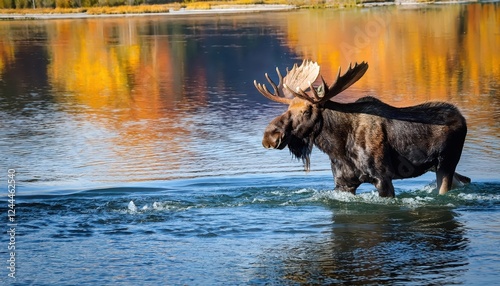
[(305, 92)]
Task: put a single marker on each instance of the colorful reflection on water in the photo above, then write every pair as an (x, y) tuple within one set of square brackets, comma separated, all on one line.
[(135, 92), (137, 148)]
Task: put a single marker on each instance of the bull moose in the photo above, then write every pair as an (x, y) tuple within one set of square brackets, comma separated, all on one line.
[(368, 141)]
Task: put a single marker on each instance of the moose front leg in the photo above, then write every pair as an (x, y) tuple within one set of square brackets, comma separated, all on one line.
[(346, 188), (345, 179), (385, 188)]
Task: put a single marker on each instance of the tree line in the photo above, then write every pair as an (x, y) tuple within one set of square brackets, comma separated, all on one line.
[(22, 4)]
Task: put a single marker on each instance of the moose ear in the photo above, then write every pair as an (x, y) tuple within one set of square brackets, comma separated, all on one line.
[(321, 90)]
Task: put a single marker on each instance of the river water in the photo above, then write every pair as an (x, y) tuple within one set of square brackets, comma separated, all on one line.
[(136, 147)]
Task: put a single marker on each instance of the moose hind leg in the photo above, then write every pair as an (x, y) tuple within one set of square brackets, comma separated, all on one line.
[(460, 180), (444, 181), (445, 173)]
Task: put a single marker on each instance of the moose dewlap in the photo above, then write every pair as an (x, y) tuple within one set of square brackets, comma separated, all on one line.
[(367, 141)]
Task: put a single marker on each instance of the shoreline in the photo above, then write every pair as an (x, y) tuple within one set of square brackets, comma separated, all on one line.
[(215, 10), (222, 9)]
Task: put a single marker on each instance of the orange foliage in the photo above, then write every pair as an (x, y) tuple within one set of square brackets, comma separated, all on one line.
[(430, 53), (6, 52), (128, 83), (103, 65)]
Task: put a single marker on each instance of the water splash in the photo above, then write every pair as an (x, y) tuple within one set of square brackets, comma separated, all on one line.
[(479, 194), (132, 207)]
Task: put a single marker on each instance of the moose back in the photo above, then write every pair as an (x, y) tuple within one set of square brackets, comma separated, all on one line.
[(367, 141)]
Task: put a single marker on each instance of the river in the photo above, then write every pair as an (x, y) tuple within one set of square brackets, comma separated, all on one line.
[(136, 148)]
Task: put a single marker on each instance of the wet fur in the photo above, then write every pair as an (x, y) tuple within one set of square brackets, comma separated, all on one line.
[(372, 142), (301, 149)]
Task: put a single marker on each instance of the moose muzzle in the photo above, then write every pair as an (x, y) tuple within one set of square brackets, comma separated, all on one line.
[(274, 140)]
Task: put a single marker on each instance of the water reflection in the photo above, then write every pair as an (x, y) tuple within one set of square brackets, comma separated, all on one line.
[(417, 54), (126, 85), (382, 245), (439, 52), (450, 55), (135, 99), (146, 95)]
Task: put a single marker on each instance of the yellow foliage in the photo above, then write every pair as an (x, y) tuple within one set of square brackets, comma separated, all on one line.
[(125, 9), (131, 79), (6, 53), (63, 7), (63, 3), (398, 50)]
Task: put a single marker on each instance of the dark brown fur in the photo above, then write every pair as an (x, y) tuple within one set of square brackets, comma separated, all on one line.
[(371, 142)]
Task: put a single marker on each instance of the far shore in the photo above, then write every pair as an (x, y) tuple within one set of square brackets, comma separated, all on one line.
[(210, 10), (219, 9)]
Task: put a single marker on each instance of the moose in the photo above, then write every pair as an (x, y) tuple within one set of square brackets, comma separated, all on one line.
[(367, 141)]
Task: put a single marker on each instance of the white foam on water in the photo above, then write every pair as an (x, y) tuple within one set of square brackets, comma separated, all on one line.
[(332, 195), (372, 197), (421, 197), (157, 206), (169, 206), (408, 196), (132, 207), (430, 188), (302, 191), (416, 202), (480, 198)]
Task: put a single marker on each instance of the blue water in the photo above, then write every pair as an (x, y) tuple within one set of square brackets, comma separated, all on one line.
[(258, 230), (138, 158)]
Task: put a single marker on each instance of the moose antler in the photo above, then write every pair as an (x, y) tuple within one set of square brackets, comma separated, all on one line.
[(352, 75), (299, 76), (298, 83)]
